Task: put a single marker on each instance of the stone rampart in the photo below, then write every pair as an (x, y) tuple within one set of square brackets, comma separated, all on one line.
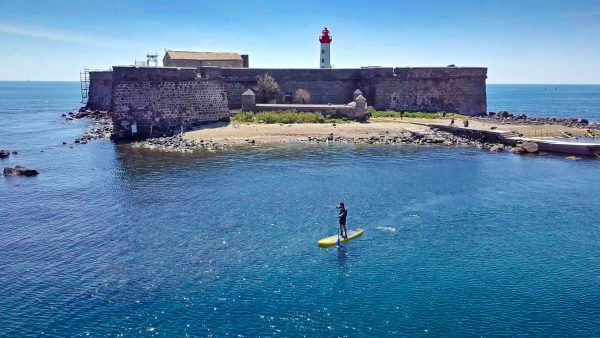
[(183, 96), (325, 86), (450, 89), (161, 101), (100, 90)]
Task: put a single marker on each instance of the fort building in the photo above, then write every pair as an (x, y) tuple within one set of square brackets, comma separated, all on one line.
[(175, 58), (201, 87)]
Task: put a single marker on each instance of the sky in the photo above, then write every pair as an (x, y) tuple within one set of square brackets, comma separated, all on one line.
[(520, 41)]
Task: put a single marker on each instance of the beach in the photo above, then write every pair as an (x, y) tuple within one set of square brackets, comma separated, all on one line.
[(242, 133)]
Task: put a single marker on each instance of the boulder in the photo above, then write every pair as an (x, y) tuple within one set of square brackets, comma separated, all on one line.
[(530, 147), (517, 150), (497, 148), (4, 153), (20, 171)]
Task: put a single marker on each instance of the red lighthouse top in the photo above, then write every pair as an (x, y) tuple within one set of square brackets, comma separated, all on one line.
[(325, 38)]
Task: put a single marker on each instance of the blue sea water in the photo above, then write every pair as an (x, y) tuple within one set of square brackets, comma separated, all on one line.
[(111, 240), (560, 101)]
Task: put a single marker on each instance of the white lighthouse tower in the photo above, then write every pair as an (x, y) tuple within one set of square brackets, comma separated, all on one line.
[(325, 40)]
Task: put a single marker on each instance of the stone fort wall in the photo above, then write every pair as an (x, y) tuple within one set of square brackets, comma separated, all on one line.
[(160, 101), (100, 91), (450, 89), (164, 98), (333, 86)]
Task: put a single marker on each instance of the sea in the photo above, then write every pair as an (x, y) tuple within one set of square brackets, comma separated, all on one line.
[(112, 240)]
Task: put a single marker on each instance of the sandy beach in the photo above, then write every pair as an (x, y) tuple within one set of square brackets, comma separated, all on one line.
[(242, 133)]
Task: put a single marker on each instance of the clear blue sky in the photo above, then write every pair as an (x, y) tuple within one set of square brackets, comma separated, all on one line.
[(520, 41)]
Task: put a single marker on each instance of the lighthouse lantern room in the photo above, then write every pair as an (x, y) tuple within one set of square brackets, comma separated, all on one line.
[(325, 40)]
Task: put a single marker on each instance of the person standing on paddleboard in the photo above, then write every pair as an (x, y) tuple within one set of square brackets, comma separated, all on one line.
[(342, 213)]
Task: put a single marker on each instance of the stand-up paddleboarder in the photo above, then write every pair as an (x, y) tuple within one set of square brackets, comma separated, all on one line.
[(342, 213)]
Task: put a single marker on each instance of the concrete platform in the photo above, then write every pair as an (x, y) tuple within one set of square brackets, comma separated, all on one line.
[(510, 138)]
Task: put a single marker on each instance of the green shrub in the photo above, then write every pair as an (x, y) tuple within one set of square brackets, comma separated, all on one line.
[(417, 115), (285, 117), (243, 117)]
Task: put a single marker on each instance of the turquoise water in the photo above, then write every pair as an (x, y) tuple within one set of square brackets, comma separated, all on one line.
[(110, 240)]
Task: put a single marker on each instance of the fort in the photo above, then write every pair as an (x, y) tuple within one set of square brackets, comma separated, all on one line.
[(197, 87)]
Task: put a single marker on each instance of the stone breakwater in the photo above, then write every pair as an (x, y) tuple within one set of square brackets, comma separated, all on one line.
[(100, 128), (179, 143)]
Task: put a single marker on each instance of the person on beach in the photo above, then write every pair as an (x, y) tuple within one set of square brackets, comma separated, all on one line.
[(342, 213)]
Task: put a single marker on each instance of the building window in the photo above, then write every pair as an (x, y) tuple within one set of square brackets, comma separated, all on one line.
[(322, 60), (322, 51)]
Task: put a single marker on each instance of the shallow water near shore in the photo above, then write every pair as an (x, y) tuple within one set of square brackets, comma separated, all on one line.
[(115, 240)]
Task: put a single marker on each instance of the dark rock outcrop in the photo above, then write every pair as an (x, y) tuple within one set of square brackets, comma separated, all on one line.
[(20, 171), (4, 153)]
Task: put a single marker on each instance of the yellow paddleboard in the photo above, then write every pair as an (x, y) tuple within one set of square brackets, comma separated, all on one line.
[(332, 240)]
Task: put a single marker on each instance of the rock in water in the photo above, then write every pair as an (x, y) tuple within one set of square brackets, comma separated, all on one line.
[(4, 153), (20, 171), (517, 150), (497, 148), (530, 147)]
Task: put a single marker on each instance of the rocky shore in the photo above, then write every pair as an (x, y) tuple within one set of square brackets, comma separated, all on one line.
[(213, 138), (100, 128), (504, 117), (179, 143)]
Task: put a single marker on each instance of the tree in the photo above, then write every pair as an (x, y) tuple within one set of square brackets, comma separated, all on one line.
[(267, 87), (302, 96)]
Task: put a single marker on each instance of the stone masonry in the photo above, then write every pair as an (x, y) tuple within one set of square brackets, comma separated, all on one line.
[(356, 110), (100, 92), (450, 89), (459, 90), (162, 101)]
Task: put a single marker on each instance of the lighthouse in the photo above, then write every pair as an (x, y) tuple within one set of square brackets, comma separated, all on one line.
[(325, 40)]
